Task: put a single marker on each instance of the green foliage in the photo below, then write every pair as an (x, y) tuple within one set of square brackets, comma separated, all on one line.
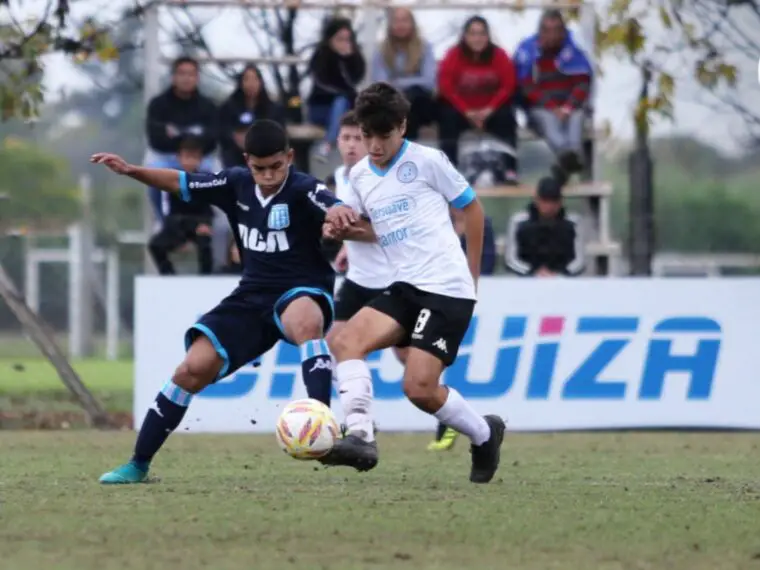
[(25, 42), (630, 30), (39, 186), (703, 201)]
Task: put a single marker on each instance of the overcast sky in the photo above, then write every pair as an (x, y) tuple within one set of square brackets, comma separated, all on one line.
[(617, 89)]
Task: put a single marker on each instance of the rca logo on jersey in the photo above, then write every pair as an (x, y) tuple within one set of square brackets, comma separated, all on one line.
[(269, 242), (588, 358), (209, 184)]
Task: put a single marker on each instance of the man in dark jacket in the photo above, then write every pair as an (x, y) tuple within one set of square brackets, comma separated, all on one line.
[(544, 240), (179, 112), (184, 221)]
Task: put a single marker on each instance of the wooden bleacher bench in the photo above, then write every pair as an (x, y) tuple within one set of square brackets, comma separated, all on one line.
[(582, 190), (305, 132)]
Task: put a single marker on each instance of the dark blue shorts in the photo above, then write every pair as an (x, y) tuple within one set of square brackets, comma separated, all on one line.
[(247, 324)]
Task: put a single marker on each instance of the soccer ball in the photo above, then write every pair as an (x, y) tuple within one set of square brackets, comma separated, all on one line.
[(306, 429)]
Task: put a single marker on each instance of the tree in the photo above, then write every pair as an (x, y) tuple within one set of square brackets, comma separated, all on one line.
[(712, 43), (39, 186), (24, 40)]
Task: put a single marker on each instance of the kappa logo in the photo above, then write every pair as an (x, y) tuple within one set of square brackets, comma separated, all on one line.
[(155, 408), (440, 344), (321, 364)]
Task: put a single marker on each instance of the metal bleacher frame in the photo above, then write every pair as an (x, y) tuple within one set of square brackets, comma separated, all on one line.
[(600, 247)]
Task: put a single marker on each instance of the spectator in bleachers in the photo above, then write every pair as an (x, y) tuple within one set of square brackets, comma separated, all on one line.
[(336, 68), (179, 112), (184, 222), (545, 240), (248, 102), (476, 85), (555, 79), (406, 61)]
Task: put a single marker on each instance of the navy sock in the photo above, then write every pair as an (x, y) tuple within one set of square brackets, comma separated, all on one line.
[(316, 365), (162, 419)]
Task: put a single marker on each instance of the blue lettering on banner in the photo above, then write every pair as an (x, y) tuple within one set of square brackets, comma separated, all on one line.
[(588, 381), (394, 237)]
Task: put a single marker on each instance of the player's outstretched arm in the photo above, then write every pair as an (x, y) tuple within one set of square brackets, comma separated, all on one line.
[(162, 178)]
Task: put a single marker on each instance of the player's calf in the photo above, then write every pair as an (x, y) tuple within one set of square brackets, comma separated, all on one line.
[(200, 368), (447, 405), (303, 324)]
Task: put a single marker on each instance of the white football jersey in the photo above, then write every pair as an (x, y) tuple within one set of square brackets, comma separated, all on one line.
[(408, 205), (367, 264)]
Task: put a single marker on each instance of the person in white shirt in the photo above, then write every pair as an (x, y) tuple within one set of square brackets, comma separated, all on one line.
[(404, 190), (367, 273)]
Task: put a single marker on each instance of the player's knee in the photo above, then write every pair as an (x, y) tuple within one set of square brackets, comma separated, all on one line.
[(307, 329), (193, 377), (420, 391), (344, 346)]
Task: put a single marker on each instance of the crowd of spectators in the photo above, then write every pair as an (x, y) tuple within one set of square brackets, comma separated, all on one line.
[(477, 86)]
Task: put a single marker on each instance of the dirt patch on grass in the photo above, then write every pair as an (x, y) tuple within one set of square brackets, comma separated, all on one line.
[(56, 420)]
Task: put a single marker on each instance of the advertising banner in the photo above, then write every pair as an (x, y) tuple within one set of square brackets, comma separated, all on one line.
[(546, 354)]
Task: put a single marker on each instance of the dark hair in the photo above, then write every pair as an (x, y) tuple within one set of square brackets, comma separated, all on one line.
[(487, 53), (333, 26), (551, 14), (263, 102), (380, 108), (330, 181), (190, 144), (349, 120), (182, 60), (266, 138)]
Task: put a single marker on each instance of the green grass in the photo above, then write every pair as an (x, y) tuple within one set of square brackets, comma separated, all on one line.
[(570, 501), (31, 384)]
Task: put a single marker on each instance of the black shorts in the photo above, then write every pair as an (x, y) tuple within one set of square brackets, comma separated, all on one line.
[(351, 297), (247, 324), (433, 323)]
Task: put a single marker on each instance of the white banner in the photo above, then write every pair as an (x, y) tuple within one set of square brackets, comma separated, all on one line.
[(546, 354)]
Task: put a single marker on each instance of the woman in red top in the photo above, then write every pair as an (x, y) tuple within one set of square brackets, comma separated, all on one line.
[(476, 82)]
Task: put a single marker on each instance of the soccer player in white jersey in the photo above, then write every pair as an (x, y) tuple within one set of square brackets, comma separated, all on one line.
[(368, 273), (404, 190)]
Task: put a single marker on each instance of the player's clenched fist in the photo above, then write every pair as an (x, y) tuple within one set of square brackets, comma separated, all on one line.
[(341, 216), (112, 161)]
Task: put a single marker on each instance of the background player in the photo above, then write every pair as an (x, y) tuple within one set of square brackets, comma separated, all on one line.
[(366, 267), (404, 188), (285, 291)]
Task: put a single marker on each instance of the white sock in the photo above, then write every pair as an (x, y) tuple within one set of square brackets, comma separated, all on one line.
[(355, 394), (458, 414)]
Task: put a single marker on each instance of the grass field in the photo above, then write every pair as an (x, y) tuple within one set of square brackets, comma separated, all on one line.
[(32, 395), (570, 501), (561, 501)]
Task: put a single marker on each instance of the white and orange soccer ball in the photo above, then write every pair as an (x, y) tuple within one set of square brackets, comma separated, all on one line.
[(307, 429)]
